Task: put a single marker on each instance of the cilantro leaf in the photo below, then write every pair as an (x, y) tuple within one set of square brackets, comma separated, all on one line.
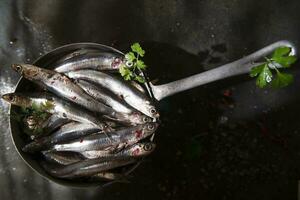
[(281, 51), (285, 61), (264, 77), (138, 49), (282, 80)]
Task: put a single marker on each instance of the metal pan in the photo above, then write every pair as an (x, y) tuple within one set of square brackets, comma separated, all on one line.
[(159, 92), (19, 138)]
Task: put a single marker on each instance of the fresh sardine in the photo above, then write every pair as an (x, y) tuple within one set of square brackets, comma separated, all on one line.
[(65, 133), (136, 150), (63, 158), (51, 124), (64, 87), (87, 167), (91, 60), (131, 95), (104, 96), (110, 99), (126, 136), (62, 108)]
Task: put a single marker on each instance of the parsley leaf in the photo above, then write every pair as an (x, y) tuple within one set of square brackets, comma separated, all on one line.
[(282, 80), (285, 61), (281, 51), (125, 72), (130, 57), (264, 77), (133, 66), (256, 70), (280, 59), (140, 64), (138, 49), (139, 79)]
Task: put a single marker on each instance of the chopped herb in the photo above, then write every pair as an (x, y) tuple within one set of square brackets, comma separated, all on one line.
[(264, 72)]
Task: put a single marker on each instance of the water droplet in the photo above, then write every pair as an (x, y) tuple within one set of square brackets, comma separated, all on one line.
[(268, 79), (7, 148), (14, 169)]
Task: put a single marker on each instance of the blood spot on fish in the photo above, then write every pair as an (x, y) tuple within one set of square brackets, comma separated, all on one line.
[(52, 82), (81, 140), (136, 152), (138, 133), (73, 98), (116, 63)]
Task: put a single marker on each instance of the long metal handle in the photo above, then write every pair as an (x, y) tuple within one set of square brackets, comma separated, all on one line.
[(237, 67)]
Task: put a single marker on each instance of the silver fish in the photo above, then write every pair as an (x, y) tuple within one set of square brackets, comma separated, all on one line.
[(67, 132), (126, 136), (130, 94), (63, 158), (136, 150), (73, 54), (64, 87), (61, 108), (107, 176), (50, 125), (91, 60), (105, 97), (87, 167)]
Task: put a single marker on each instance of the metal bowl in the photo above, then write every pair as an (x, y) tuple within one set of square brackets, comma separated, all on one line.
[(20, 138)]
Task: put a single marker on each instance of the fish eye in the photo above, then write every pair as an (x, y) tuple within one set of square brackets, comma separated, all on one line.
[(18, 67), (147, 147), (146, 119), (129, 63), (11, 98), (152, 111), (151, 127)]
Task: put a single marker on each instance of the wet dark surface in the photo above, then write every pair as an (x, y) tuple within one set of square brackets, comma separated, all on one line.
[(226, 140)]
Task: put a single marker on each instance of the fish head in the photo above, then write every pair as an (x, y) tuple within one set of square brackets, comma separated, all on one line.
[(142, 149), (151, 111), (149, 128), (18, 68), (16, 99), (139, 118), (30, 72)]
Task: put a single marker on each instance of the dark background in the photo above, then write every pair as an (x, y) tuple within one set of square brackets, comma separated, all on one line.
[(225, 140)]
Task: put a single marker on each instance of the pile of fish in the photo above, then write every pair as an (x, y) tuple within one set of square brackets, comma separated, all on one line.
[(96, 123)]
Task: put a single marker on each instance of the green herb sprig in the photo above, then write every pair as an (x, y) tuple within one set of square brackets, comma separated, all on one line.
[(40, 112), (280, 59), (134, 66)]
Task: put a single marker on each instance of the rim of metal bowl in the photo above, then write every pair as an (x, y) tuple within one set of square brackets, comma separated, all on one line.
[(16, 133)]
